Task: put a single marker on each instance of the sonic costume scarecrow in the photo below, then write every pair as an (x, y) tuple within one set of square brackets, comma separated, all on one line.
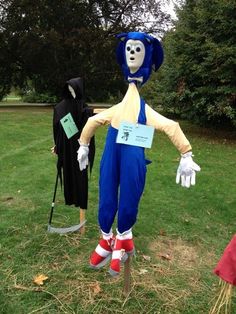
[(123, 167)]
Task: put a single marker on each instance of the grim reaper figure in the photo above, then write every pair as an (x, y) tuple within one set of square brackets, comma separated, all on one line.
[(75, 182)]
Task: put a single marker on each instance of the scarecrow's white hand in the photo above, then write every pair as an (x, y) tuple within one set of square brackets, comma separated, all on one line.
[(82, 156), (186, 172)]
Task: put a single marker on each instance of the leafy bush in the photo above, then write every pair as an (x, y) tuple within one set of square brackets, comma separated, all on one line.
[(200, 62), (34, 97)]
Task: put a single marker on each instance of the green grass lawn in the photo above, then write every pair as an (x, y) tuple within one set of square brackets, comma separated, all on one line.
[(180, 233)]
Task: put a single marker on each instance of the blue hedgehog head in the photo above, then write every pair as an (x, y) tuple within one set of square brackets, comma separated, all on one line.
[(137, 54)]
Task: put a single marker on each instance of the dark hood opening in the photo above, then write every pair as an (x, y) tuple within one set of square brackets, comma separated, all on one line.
[(78, 86)]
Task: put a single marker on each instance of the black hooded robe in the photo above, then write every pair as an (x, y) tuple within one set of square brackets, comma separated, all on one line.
[(75, 182)]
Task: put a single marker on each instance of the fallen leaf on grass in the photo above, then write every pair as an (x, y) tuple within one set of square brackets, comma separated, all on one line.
[(162, 232), (66, 256), (55, 266), (147, 258), (143, 271), (165, 256), (95, 287), (39, 279)]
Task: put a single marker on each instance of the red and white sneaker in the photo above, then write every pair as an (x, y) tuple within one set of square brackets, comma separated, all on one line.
[(123, 247), (102, 254)]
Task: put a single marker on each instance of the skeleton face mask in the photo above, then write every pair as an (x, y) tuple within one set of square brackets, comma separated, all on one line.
[(71, 89), (134, 53)]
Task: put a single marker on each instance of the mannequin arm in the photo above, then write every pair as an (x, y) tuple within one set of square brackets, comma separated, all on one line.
[(170, 127), (102, 118), (98, 110)]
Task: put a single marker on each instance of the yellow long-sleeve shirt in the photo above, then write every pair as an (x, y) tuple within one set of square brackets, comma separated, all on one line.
[(128, 110)]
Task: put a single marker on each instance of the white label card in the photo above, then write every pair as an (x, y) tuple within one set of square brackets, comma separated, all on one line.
[(135, 134)]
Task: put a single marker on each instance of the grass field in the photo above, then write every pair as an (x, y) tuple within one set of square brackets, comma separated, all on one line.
[(180, 233)]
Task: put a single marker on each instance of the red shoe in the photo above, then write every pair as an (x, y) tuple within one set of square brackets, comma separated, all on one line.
[(123, 247), (102, 253)]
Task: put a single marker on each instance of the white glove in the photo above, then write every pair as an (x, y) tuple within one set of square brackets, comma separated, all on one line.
[(82, 156), (186, 172)]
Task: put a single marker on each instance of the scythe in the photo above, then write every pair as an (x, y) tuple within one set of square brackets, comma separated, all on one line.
[(62, 230)]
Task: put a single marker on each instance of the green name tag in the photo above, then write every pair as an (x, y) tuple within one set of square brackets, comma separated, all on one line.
[(69, 125)]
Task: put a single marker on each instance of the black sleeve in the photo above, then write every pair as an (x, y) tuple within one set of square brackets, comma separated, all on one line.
[(55, 126)]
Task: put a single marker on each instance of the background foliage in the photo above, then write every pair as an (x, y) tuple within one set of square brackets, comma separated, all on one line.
[(198, 77), (50, 41), (45, 43)]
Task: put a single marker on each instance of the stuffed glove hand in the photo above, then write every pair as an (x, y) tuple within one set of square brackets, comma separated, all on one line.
[(186, 172), (82, 156)]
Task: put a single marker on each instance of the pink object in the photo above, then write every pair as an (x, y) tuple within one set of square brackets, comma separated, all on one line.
[(226, 267)]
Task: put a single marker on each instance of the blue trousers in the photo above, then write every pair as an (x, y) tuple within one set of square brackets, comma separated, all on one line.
[(122, 180)]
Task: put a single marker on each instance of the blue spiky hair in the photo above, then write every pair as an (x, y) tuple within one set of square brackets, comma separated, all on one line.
[(153, 55)]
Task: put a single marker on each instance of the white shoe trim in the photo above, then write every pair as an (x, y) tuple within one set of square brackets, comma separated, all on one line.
[(101, 251), (118, 254), (125, 235), (107, 236)]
